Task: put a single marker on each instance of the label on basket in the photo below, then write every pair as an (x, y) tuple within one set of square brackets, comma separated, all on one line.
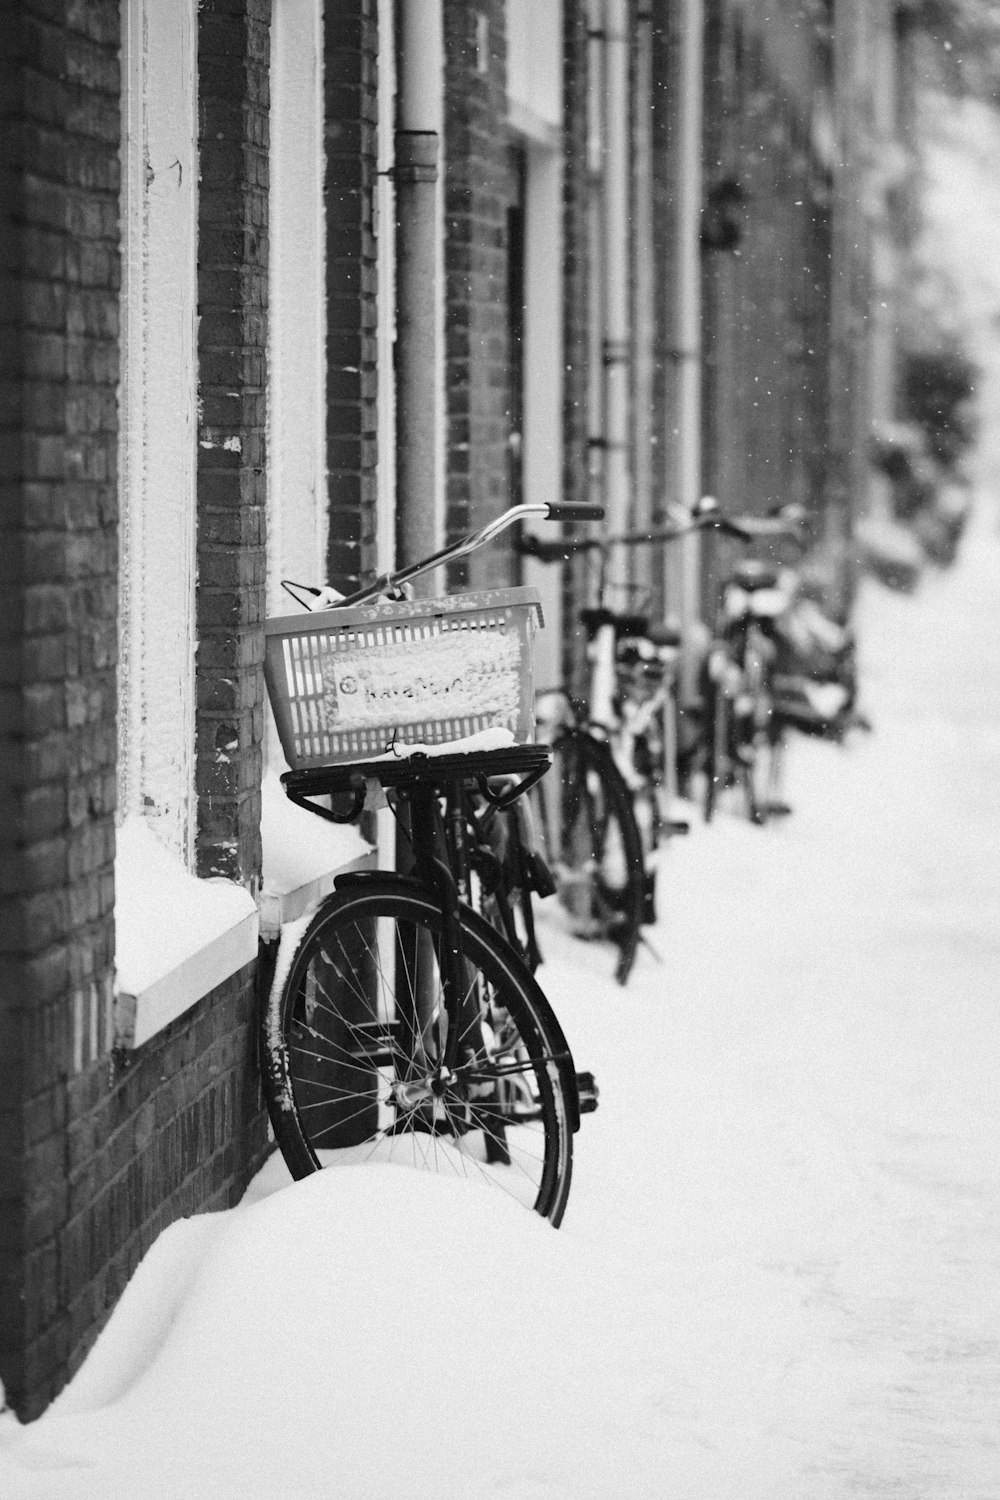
[(441, 677)]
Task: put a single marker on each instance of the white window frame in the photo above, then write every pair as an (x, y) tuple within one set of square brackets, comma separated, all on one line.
[(302, 854), (535, 113), (159, 421), (176, 937)]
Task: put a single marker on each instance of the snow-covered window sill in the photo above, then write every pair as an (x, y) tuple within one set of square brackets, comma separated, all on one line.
[(302, 856), (176, 937)]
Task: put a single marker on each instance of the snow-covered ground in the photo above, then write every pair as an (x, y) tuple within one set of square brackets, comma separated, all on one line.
[(779, 1275)]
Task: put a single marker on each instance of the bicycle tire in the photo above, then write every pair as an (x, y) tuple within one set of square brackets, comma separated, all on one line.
[(717, 735), (519, 879), (754, 743), (593, 844), (349, 1052)]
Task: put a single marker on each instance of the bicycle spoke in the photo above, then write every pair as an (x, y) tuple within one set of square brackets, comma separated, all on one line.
[(365, 1022)]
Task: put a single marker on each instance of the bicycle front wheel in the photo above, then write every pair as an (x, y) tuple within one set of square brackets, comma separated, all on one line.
[(354, 1053)]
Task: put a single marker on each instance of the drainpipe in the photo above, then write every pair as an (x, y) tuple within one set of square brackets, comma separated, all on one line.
[(617, 350), (613, 37), (419, 114), (683, 561)]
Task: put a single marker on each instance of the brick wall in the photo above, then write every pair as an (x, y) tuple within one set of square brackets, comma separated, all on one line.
[(477, 189), (233, 56), (58, 568), (350, 60), (98, 1153)]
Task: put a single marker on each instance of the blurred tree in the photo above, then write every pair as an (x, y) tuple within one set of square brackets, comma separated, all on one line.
[(961, 50)]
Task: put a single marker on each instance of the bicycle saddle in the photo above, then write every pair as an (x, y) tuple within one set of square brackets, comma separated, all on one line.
[(752, 574), (625, 624)]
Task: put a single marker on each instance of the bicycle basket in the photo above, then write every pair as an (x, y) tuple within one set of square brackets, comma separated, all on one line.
[(345, 684)]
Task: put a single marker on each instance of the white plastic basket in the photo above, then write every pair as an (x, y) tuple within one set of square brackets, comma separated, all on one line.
[(346, 684)]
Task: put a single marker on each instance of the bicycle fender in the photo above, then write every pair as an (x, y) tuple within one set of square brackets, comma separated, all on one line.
[(384, 878)]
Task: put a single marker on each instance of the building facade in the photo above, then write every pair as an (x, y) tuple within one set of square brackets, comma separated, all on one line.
[(294, 290)]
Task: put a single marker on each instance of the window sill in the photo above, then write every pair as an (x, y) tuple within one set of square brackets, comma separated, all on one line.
[(302, 856), (176, 937)]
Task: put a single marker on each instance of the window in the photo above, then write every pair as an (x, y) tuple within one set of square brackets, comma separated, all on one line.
[(176, 937)]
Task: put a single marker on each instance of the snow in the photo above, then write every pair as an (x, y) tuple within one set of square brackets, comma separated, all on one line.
[(149, 883), (300, 847), (777, 1276), (495, 738)]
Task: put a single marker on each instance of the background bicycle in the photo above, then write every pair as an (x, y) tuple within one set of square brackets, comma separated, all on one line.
[(609, 802), (777, 661)]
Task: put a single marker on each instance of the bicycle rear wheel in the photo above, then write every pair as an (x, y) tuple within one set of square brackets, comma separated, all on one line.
[(716, 748), (354, 1064), (593, 845)]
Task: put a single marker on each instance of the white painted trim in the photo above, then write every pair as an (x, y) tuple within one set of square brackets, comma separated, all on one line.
[(298, 512), (277, 909), (544, 380), (535, 62), (385, 241), (177, 936), (298, 505), (159, 420), (533, 127), (139, 1017)]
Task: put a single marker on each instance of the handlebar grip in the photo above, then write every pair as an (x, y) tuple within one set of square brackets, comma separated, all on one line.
[(573, 510)]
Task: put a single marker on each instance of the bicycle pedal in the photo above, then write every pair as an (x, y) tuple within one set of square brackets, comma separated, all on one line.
[(588, 1091)]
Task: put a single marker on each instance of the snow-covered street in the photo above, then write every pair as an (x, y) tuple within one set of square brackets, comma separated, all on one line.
[(779, 1275)]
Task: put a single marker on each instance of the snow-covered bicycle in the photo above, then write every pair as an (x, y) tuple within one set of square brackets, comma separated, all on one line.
[(405, 1026)]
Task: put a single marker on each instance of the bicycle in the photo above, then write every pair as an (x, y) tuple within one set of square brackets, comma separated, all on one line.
[(743, 733), (403, 1024), (608, 803)]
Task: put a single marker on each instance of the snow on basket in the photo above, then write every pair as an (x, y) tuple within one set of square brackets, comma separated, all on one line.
[(345, 684)]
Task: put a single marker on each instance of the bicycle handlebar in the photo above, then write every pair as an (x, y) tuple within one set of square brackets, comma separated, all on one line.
[(574, 510), (390, 583), (567, 547), (778, 528)]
